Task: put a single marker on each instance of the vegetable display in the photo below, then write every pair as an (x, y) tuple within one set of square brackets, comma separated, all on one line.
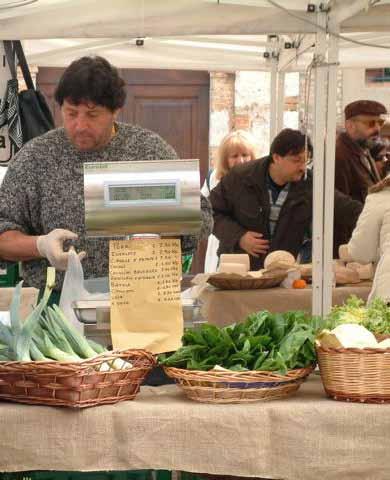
[(350, 335), (47, 335), (264, 341), (375, 316)]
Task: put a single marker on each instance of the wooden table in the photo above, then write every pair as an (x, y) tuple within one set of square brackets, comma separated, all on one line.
[(223, 307)]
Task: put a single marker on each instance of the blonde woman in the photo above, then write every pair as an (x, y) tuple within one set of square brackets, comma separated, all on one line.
[(237, 147), (370, 241)]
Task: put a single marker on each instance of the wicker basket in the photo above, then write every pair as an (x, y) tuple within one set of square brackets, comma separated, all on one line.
[(75, 385), (355, 374), (216, 386), (232, 281)]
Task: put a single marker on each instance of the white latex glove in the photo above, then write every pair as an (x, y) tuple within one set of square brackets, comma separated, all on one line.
[(51, 246)]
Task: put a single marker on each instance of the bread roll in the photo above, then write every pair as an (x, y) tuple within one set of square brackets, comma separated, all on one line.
[(279, 259)]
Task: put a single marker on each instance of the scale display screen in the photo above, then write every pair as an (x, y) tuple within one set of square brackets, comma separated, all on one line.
[(141, 193)]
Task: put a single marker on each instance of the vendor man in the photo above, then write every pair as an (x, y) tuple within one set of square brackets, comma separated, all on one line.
[(266, 205), (42, 194), (355, 170)]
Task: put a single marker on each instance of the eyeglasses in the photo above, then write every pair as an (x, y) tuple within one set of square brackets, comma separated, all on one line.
[(372, 123), (300, 159)]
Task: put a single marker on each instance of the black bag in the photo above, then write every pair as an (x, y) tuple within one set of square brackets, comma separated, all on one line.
[(35, 115), (10, 130)]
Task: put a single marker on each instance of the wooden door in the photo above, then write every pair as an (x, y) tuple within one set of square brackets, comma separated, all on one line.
[(175, 104)]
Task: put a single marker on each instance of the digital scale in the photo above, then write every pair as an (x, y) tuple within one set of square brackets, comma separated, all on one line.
[(158, 197), (138, 198)]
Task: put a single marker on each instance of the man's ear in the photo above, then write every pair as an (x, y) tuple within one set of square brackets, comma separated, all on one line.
[(349, 125), (116, 113)]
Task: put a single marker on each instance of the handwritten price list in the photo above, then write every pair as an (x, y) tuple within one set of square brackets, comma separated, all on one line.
[(151, 267)]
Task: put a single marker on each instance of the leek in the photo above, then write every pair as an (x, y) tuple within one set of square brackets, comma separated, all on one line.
[(50, 350), (36, 354), (117, 364), (78, 343), (56, 334), (24, 336)]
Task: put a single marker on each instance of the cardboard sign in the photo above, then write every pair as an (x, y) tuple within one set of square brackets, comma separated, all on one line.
[(146, 309)]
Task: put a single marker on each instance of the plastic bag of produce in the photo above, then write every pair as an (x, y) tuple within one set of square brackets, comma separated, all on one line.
[(74, 289)]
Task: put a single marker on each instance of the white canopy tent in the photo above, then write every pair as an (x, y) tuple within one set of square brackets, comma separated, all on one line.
[(223, 35)]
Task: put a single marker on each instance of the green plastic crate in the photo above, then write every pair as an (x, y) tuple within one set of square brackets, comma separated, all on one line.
[(10, 276), (122, 475)]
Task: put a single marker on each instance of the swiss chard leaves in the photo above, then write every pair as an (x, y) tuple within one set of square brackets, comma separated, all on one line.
[(264, 341)]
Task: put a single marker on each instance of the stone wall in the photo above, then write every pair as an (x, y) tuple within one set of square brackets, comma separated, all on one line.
[(221, 109), (242, 101)]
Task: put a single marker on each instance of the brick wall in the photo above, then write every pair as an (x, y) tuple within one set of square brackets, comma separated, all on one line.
[(221, 108)]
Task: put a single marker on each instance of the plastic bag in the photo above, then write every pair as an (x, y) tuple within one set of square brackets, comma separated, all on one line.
[(73, 289)]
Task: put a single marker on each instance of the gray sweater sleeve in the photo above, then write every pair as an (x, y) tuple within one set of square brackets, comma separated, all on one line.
[(16, 192)]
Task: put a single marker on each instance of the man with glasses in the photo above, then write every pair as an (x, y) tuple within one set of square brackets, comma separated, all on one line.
[(267, 204), (355, 170)]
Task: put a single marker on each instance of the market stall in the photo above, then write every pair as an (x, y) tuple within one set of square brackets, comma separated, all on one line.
[(304, 437)]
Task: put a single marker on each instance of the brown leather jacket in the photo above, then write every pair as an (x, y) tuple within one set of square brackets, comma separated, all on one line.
[(241, 203), (355, 170)]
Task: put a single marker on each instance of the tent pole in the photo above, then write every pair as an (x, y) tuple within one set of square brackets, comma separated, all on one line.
[(330, 147), (280, 102), (319, 170), (273, 101)]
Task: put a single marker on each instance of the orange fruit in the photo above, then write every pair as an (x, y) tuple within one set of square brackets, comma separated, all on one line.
[(299, 283)]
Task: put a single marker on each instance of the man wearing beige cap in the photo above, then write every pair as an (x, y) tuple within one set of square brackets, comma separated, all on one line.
[(355, 169)]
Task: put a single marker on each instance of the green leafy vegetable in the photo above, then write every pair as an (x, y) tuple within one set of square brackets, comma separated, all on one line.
[(264, 341), (375, 316)]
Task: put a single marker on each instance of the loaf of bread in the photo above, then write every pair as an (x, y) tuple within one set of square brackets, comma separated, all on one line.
[(365, 271)]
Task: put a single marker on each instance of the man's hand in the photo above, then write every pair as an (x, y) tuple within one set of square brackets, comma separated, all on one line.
[(253, 243), (51, 246)]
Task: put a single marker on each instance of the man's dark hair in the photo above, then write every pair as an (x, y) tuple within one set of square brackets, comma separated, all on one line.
[(91, 79), (290, 142)]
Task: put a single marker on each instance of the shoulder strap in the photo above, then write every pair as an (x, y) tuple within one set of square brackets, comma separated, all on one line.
[(23, 64), (10, 54), (208, 178)]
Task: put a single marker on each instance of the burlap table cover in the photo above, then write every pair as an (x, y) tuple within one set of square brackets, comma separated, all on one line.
[(223, 307), (305, 437)]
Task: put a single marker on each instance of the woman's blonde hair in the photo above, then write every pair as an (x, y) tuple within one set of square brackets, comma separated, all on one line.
[(238, 139), (380, 185)]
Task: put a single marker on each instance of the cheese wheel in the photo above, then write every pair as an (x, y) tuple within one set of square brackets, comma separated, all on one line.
[(232, 268), (281, 257), (242, 258)]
